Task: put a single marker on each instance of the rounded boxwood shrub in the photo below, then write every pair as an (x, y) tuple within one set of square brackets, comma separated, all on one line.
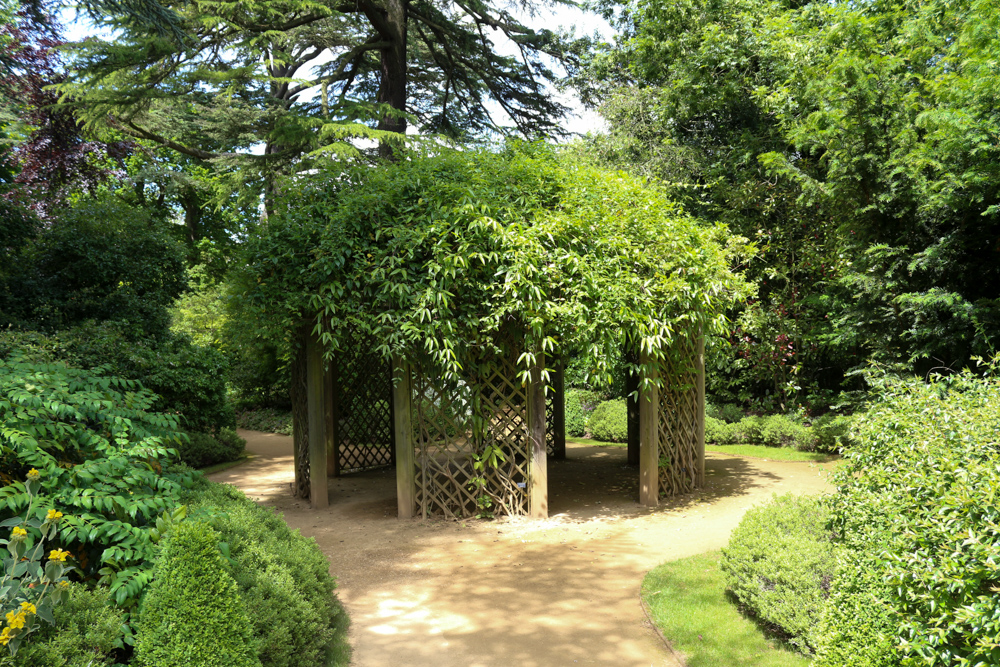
[(84, 634), (779, 565), (718, 432), (580, 404), (283, 578), (609, 422), (193, 614)]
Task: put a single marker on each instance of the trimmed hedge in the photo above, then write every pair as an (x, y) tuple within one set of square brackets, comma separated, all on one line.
[(283, 578), (193, 614), (779, 564), (609, 422), (771, 431)]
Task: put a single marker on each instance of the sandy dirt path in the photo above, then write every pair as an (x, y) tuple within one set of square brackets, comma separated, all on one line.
[(513, 592)]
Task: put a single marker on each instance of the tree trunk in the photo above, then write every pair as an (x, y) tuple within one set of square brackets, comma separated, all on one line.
[(392, 90)]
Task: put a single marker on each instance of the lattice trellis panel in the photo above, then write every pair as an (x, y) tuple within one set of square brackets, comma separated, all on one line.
[(677, 425), (364, 411), (453, 424)]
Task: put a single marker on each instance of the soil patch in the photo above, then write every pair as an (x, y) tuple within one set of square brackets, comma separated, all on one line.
[(564, 591)]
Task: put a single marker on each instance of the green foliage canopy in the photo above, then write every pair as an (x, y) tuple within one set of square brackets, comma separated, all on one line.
[(466, 254)]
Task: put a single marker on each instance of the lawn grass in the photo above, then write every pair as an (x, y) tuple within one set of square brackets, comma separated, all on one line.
[(752, 451), (772, 453), (686, 600)]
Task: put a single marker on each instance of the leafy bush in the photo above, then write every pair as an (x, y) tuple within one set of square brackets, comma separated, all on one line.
[(833, 433), (609, 422), (771, 431), (101, 260), (193, 613), (84, 634), (284, 579), (268, 420), (719, 432), (781, 431), (916, 508), (187, 379), (200, 450), (580, 403), (727, 412), (779, 564), (100, 452)]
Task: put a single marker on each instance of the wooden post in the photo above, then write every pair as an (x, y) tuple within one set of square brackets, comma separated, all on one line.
[(406, 481), (559, 412), (318, 492), (632, 408), (649, 444), (700, 481), (331, 407), (538, 485)]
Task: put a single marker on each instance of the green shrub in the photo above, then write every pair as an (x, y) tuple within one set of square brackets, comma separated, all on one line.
[(84, 634), (268, 420), (200, 450), (833, 433), (580, 404), (284, 580), (781, 431), (770, 431), (187, 379), (103, 456), (727, 412), (718, 431), (779, 564), (609, 422), (916, 508), (193, 613)]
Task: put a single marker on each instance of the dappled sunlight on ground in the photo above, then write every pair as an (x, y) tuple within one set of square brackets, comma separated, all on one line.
[(563, 591)]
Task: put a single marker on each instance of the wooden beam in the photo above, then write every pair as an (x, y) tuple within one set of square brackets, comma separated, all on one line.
[(406, 470), (649, 444), (318, 490), (700, 480), (632, 408), (538, 485), (558, 389)]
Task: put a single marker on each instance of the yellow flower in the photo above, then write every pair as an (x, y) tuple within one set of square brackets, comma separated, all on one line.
[(15, 620), (19, 533), (59, 555), (33, 475), (28, 608), (53, 515), (63, 584), (5, 637)]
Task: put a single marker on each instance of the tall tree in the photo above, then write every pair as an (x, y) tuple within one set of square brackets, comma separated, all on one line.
[(858, 142), (259, 85)]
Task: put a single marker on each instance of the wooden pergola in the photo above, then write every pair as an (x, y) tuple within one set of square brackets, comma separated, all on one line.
[(482, 442)]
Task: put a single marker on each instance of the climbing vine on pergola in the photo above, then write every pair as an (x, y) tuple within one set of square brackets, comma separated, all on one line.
[(467, 278)]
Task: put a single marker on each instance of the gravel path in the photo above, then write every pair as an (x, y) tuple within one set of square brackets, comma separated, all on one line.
[(513, 592)]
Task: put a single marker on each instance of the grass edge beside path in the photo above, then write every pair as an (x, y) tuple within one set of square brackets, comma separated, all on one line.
[(687, 602), (749, 451)]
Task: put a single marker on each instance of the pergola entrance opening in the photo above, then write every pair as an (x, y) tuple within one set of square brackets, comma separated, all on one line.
[(479, 444)]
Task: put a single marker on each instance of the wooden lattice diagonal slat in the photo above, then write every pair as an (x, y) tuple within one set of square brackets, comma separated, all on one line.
[(364, 428), (677, 426), (446, 445)]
